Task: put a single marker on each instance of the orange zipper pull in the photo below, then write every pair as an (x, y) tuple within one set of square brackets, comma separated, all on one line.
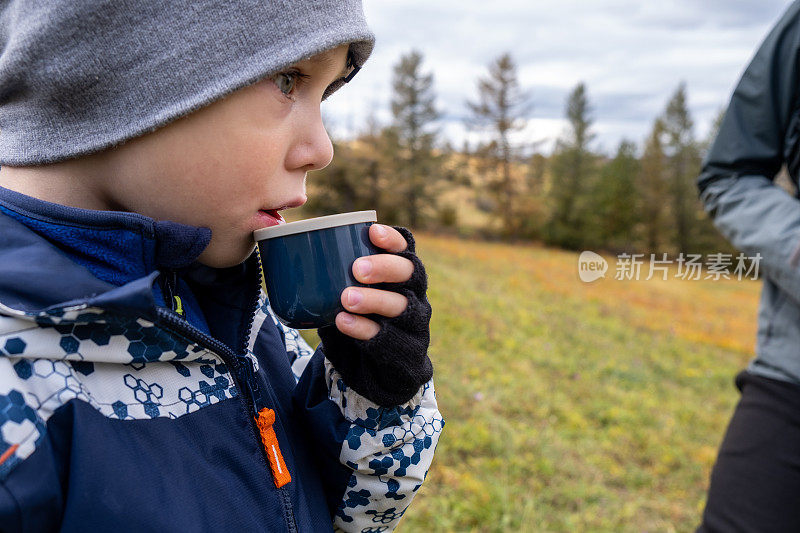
[(280, 474), (8, 453)]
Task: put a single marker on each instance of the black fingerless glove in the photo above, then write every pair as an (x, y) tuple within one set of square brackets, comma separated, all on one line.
[(389, 368)]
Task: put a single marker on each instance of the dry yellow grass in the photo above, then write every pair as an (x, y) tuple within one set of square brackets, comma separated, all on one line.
[(574, 406)]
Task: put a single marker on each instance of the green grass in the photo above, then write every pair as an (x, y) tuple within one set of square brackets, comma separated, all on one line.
[(571, 406)]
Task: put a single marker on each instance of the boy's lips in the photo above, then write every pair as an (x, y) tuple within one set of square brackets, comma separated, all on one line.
[(270, 217)]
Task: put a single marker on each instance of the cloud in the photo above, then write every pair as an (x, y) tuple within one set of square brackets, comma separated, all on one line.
[(632, 56), (709, 14)]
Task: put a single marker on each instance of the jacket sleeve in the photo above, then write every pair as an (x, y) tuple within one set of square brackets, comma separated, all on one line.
[(758, 134), (381, 455)]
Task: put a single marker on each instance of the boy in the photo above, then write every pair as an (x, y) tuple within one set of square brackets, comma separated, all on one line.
[(144, 382)]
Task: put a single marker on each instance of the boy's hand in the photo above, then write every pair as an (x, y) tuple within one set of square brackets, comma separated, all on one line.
[(380, 268), (384, 356)]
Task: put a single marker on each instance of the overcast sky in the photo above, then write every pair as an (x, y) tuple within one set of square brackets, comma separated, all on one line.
[(631, 54)]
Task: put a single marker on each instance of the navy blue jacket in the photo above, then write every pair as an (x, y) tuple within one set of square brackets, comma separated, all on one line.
[(117, 412)]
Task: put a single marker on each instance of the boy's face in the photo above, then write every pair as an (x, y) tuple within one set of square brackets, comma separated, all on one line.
[(223, 166)]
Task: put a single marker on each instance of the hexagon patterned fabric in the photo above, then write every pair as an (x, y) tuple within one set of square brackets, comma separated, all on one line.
[(129, 368)]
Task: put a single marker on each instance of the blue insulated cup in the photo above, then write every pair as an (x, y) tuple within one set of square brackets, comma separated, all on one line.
[(307, 264)]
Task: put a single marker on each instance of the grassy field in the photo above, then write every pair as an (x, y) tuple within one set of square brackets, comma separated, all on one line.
[(572, 406)]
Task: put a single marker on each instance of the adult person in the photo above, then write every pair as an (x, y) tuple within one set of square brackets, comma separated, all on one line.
[(755, 482)]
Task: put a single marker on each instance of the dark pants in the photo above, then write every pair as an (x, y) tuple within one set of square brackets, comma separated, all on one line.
[(755, 483)]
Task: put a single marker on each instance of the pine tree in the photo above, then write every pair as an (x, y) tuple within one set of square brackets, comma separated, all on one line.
[(414, 111), (683, 157), (502, 108), (616, 200), (652, 188), (573, 173)]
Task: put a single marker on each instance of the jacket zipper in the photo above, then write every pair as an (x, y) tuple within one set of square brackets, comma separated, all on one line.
[(169, 288), (238, 362), (179, 325)]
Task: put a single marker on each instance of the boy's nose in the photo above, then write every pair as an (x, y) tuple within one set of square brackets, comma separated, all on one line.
[(313, 149)]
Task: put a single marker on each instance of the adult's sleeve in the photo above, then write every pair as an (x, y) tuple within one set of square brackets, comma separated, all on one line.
[(758, 134)]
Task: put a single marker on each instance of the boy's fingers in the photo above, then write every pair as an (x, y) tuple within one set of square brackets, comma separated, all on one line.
[(366, 301), (382, 268), (387, 237), (355, 326)]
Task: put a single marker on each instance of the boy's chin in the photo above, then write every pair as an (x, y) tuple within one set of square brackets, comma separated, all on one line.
[(218, 257)]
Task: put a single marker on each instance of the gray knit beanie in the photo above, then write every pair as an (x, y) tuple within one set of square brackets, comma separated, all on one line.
[(79, 76)]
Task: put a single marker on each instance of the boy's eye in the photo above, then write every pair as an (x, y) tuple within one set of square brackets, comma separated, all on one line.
[(285, 82), (289, 80)]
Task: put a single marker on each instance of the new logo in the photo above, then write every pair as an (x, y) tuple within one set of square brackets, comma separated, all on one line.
[(591, 266)]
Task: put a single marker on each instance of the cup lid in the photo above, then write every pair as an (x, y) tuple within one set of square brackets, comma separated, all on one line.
[(313, 224)]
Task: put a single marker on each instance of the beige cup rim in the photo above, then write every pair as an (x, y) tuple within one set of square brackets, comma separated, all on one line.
[(313, 224)]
